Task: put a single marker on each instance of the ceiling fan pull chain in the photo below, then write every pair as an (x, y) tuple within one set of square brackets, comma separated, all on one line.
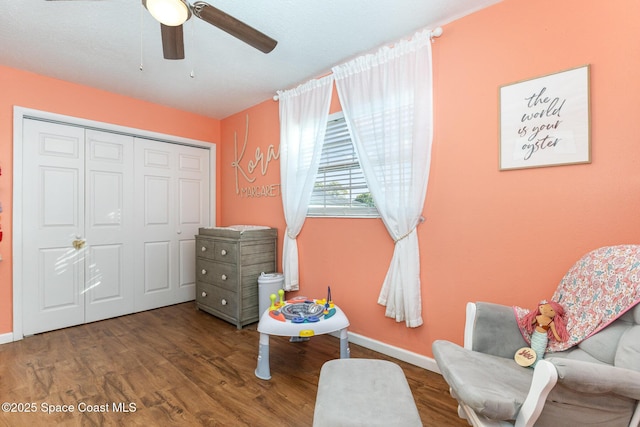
[(141, 36), (192, 24)]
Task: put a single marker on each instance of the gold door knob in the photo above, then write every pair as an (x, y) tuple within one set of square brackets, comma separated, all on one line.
[(78, 244)]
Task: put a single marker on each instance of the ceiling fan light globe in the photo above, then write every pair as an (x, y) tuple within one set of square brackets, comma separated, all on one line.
[(169, 12)]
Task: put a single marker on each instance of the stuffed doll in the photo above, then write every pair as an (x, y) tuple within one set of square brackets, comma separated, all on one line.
[(546, 323)]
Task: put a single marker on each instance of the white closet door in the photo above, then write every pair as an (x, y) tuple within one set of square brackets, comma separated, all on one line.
[(192, 213), (53, 218), (108, 223), (172, 196), (78, 188), (109, 228)]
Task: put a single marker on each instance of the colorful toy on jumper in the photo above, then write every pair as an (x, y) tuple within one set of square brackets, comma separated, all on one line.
[(275, 305), (544, 324), (301, 309)]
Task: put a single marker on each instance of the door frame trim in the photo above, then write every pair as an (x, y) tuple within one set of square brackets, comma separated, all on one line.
[(19, 114)]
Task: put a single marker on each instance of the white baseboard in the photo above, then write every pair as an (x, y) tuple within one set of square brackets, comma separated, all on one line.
[(416, 359), (6, 338)]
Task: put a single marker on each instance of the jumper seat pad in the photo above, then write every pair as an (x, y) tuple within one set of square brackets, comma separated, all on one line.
[(366, 393)]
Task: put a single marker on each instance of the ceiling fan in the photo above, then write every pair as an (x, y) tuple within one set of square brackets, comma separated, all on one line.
[(173, 13)]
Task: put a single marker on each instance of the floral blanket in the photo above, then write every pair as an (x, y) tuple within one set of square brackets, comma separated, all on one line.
[(598, 289)]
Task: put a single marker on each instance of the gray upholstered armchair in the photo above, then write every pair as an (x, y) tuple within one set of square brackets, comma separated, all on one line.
[(591, 378), (596, 383)]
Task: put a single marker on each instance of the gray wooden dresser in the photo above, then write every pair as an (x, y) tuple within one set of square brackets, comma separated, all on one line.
[(228, 263)]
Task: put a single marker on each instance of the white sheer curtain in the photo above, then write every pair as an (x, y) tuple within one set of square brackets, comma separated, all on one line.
[(387, 102), (303, 122)]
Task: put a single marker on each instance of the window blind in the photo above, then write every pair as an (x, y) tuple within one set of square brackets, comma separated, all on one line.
[(340, 187)]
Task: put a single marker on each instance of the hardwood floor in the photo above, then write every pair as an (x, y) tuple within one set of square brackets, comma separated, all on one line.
[(177, 366)]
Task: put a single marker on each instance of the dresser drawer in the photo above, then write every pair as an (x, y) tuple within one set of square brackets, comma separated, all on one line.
[(221, 300), (217, 250), (226, 252), (217, 273), (205, 247)]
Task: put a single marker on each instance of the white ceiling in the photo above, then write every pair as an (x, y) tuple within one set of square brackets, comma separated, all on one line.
[(102, 43)]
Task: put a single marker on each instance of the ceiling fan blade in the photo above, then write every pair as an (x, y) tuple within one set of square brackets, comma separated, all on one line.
[(172, 42), (233, 26)]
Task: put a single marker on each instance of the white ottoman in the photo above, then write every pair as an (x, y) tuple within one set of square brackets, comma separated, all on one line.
[(364, 392)]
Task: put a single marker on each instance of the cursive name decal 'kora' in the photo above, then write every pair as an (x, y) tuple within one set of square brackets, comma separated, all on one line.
[(254, 167)]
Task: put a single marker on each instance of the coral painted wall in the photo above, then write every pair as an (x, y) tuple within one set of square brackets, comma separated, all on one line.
[(506, 237), (43, 93)]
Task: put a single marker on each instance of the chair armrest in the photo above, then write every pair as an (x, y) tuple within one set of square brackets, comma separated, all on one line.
[(544, 379), (492, 329), (469, 325), (635, 420), (595, 378)]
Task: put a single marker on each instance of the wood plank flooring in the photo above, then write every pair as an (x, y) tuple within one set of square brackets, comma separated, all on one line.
[(177, 366)]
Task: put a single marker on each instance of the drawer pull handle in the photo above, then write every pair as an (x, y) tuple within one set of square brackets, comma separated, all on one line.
[(204, 271), (223, 302), (223, 252), (223, 277), (203, 249), (204, 294)]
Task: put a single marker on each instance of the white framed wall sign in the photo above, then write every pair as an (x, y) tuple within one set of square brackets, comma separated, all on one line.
[(545, 121)]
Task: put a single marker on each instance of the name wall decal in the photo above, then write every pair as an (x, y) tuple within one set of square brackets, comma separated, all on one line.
[(246, 172)]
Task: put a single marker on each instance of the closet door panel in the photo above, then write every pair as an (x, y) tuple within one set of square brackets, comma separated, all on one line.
[(105, 279), (58, 198), (156, 275), (187, 267), (157, 268), (109, 225), (53, 217), (63, 290), (190, 203), (173, 194), (193, 213), (189, 218), (157, 202), (106, 208)]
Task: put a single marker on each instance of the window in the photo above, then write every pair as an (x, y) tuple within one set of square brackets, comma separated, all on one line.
[(340, 189)]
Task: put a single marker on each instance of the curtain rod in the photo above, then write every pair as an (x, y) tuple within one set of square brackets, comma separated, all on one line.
[(436, 32)]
